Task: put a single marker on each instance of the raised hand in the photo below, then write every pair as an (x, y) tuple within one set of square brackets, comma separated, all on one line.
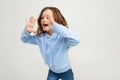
[(30, 24), (51, 20)]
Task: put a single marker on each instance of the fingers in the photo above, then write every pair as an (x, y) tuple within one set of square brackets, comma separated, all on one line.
[(51, 20), (34, 21), (31, 19), (30, 24)]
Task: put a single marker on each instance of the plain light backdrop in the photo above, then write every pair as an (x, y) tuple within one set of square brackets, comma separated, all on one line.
[(97, 22)]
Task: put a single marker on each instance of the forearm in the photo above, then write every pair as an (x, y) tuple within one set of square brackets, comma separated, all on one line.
[(71, 37), (27, 38), (64, 31)]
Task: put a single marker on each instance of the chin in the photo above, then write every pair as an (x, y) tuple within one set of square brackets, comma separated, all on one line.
[(45, 29)]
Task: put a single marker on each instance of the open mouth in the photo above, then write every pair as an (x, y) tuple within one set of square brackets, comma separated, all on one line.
[(45, 24)]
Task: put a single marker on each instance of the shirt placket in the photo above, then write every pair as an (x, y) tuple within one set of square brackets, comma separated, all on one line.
[(48, 51)]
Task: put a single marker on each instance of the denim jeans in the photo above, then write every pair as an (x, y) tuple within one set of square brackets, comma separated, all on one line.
[(68, 75)]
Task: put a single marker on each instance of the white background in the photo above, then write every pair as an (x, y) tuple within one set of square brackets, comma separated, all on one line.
[(97, 22)]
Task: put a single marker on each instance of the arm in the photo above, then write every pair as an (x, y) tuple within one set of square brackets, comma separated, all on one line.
[(27, 38), (71, 38)]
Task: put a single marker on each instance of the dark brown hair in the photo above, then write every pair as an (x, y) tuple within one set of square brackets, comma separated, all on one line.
[(58, 17)]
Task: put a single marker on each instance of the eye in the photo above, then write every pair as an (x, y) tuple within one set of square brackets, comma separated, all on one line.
[(47, 16), (42, 18)]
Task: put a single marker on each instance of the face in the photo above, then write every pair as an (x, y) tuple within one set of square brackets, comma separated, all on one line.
[(45, 21)]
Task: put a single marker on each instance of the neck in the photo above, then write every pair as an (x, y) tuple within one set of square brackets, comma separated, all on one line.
[(50, 32)]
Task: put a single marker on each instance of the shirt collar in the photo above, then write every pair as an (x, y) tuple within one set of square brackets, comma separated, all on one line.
[(54, 35)]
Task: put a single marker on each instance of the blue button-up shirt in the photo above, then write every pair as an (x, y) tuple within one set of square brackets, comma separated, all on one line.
[(54, 48)]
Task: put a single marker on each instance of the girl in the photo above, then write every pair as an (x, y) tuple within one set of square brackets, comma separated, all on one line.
[(54, 39)]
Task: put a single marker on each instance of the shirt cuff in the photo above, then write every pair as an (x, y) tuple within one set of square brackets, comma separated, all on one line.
[(26, 32)]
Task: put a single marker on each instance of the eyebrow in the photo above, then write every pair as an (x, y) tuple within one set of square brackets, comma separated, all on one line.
[(44, 16)]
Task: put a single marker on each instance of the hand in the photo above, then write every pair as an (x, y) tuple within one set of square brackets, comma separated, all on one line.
[(30, 24), (51, 20)]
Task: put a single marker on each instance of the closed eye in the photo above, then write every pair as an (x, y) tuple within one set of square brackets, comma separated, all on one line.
[(42, 18)]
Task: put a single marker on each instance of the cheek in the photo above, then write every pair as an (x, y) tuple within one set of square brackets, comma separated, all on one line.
[(41, 22)]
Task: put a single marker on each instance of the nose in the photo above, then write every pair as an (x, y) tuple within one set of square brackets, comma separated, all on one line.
[(45, 19)]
